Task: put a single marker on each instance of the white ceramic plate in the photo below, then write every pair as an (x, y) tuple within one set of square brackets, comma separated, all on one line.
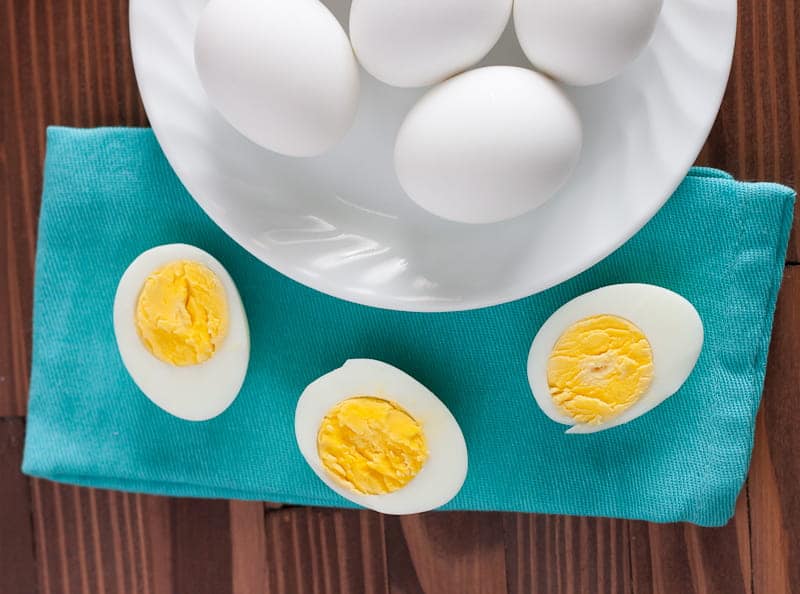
[(341, 224)]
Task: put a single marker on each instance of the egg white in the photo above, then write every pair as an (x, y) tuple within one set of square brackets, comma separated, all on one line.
[(671, 324), (194, 392), (445, 470)]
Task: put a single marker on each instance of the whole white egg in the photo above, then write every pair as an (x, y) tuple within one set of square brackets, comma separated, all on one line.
[(488, 145), (191, 391), (445, 466), (611, 355), (414, 43), (584, 42), (281, 72)]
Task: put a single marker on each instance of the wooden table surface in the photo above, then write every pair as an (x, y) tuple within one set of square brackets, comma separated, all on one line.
[(68, 62)]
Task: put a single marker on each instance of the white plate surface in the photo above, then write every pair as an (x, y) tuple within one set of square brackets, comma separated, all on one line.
[(341, 224)]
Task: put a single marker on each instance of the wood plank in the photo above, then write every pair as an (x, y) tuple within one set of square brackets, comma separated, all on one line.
[(17, 222), (17, 562), (775, 472), (201, 546), (100, 541), (559, 554), (325, 551), (757, 133), (440, 553), (154, 522), (105, 541), (248, 547), (669, 558), (14, 325)]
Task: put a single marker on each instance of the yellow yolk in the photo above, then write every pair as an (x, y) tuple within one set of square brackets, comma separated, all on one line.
[(371, 446), (599, 367), (182, 313)]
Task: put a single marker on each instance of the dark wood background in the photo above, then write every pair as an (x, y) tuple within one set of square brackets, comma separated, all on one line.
[(68, 62)]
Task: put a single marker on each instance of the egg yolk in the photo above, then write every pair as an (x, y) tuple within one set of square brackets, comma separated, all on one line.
[(182, 313), (599, 367), (371, 446)]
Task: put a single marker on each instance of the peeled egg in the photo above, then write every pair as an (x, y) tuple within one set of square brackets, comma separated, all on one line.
[(181, 331), (281, 72), (381, 439), (414, 43), (488, 145), (584, 42), (613, 354)]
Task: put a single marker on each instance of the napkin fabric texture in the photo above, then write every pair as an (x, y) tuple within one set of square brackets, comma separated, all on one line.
[(109, 194)]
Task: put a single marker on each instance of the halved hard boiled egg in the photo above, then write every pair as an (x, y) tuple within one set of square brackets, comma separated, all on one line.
[(181, 330), (381, 439), (613, 354)]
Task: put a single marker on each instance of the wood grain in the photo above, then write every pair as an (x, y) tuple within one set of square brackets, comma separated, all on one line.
[(565, 555), (687, 559), (248, 547), (757, 134), (446, 552), (17, 562), (325, 552), (68, 63), (775, 473), (103, 541), (100, 541), (201, 546)]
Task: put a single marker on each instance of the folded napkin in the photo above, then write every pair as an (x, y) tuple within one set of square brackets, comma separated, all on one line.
[(109, 194)]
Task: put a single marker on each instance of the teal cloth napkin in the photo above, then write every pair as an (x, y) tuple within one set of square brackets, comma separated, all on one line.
[(109, 194)]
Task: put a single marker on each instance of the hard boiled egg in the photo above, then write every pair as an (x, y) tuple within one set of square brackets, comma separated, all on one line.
[(413, 43), (181, 331), (611, 355), (281, 72), (488, 145), (584, 42), (381, 439)]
